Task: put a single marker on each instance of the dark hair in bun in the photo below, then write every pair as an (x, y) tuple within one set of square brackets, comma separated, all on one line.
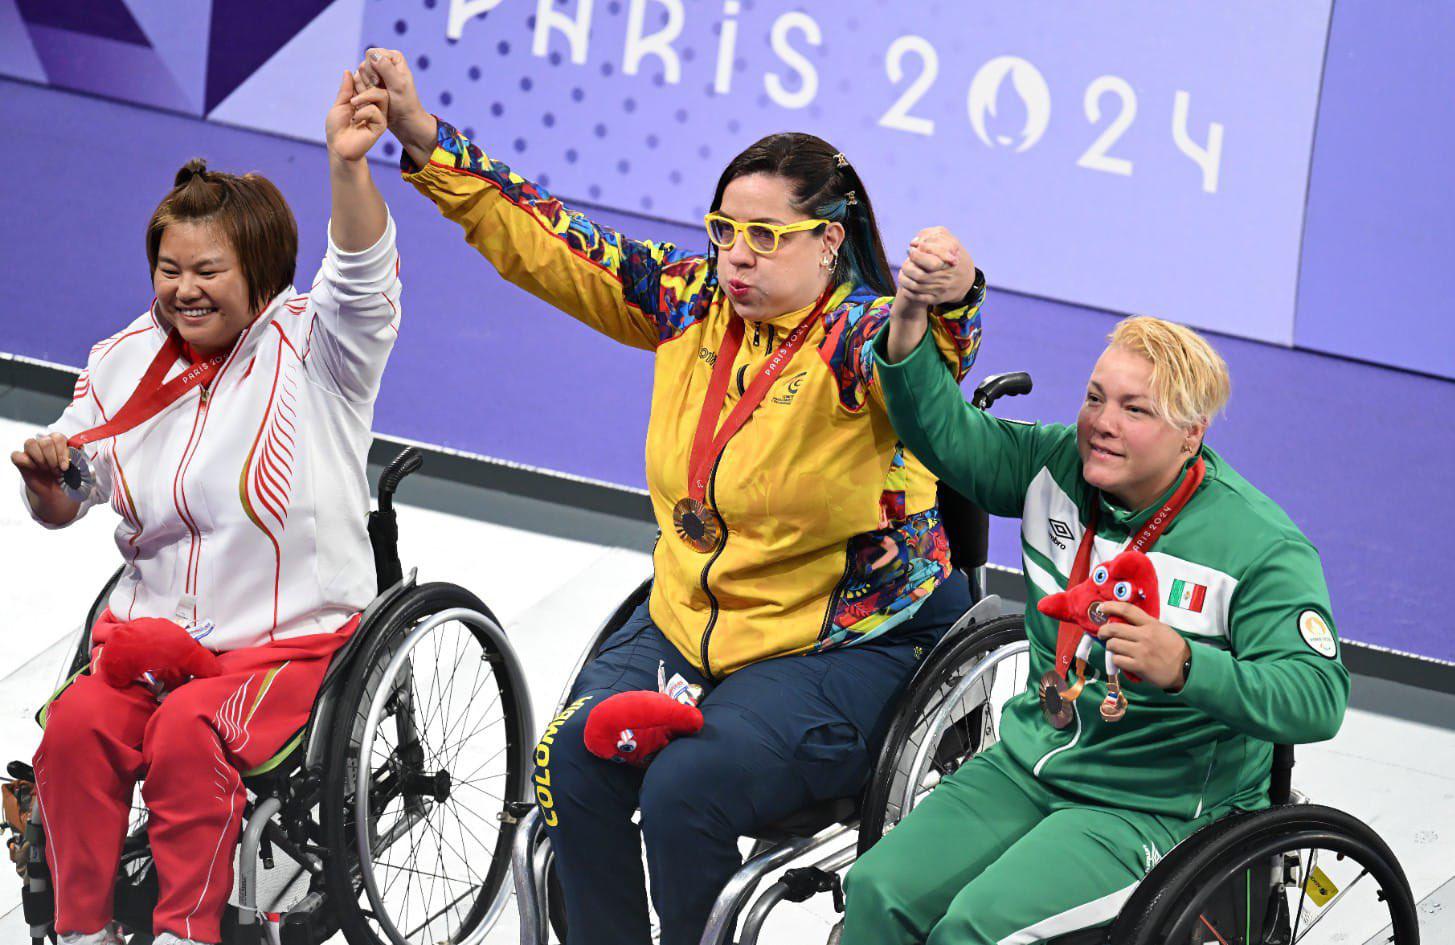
[(249, 211)]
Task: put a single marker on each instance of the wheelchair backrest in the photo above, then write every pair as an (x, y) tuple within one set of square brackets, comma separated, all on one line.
[(967, 527), (1280, 784)]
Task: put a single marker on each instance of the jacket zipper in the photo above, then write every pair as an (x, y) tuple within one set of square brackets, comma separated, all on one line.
[(711, 598), (195, 533), (828, 615)]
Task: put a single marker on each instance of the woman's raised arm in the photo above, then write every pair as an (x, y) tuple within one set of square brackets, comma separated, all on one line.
[(636, 292)]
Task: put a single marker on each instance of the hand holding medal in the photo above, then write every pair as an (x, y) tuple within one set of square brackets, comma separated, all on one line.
[(58, 478), (54, 482), (1143, 645)]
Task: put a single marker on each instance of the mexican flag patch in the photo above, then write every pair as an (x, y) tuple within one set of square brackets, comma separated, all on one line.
[(1187, 595)]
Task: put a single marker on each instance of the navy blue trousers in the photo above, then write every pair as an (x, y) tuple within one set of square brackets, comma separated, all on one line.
[(777, 736)]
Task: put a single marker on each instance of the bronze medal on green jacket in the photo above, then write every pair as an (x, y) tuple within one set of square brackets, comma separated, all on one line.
[(697, 524), (1057, 710)]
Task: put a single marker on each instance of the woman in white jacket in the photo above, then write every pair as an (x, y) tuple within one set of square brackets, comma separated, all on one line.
[(228, 426)]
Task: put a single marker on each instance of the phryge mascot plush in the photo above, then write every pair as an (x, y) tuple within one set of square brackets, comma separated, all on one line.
[(631, 727), (1129, 578)]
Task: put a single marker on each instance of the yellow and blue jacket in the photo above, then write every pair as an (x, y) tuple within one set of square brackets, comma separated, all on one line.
[(832, 532)]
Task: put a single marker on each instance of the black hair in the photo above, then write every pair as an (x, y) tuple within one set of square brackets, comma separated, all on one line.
[(250, 212), (825, 185)]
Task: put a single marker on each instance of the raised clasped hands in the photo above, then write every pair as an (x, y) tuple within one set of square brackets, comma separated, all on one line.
[(411, 123), (356, 120), (938, 270)]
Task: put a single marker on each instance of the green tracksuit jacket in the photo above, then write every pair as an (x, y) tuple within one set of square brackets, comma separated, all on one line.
[(1237, 578)]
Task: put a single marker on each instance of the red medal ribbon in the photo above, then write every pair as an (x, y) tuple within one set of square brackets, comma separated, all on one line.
[(707, 446), (151, 396), (1069, 634)]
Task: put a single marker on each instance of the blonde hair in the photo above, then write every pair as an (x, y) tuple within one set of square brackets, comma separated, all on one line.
[(1190, 380)]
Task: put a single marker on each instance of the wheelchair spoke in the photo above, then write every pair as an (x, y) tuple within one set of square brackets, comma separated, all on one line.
[(449, 687), (424, 872), (449, 742), (445, 696), (1328, 907), (445, 757), (472, 785), (439, 837), (470, 775), (1214, 930), (1307, 871), (448, 906)]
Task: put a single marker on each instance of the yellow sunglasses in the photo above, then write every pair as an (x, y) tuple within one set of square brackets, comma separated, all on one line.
[(762, 238)]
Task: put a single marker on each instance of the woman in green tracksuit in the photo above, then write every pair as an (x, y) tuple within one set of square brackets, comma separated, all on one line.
[(1050, 829)]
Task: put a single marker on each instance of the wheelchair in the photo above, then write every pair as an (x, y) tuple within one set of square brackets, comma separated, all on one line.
[(385, 816), (1269, 877), (832, 833)]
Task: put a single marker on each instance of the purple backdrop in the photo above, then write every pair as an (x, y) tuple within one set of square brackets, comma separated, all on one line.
[(1375, 279), (1123, 154), (1357, 454)]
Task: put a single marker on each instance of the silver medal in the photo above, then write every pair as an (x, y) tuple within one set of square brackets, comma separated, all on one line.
[(78, 482)]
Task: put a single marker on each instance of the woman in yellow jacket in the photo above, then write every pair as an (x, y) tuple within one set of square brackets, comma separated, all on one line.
[(802, 569)]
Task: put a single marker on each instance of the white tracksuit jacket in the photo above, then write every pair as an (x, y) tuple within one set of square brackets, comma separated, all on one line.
[(245, 504)]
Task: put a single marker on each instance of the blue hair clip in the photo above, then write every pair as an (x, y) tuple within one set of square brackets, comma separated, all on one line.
[(839, 209)]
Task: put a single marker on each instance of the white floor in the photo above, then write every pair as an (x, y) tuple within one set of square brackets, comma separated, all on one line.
[(550, 594)]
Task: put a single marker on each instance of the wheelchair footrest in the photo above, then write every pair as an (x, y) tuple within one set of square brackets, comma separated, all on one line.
[(805, 882)]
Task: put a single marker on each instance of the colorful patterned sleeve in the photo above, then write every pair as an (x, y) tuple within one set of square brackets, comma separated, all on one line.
[(640, 293), (848, 348)]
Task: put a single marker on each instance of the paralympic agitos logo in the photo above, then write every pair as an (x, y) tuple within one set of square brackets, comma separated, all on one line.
[(1028, 83)]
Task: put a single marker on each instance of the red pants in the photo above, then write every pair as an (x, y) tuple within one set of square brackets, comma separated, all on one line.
[(99, 741)]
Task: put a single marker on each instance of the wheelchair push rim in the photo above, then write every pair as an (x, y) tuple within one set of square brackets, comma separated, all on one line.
[(1283, 881), (939, 729), (433, 785), (981, 679)]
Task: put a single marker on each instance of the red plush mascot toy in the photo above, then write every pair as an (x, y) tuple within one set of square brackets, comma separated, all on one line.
[(631, 727), (1129, 578), (154, 651)]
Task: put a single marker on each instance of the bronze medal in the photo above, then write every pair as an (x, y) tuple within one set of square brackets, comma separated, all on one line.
[(1058, 711), (699, 527), (1053, 689), (1114, 707), (697, 524)]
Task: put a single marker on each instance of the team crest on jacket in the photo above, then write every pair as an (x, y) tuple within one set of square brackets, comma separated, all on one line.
[(1316, 634), (791, 389)]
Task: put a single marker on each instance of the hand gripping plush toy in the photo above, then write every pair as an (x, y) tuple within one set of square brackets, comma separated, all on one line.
[(631, 727), (154, 651), (1130, 578)]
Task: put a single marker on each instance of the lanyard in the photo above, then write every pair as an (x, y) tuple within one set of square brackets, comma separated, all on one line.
[(152, 396), (707, 446), (1069, 634)]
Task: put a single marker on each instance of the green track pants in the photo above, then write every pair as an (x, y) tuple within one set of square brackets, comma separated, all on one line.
[(993, 857)]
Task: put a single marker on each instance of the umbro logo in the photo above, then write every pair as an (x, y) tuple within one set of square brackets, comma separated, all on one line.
[(1060, 533)]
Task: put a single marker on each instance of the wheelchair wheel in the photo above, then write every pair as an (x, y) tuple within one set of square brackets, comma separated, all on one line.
[(82, 657), (950, 711), (1289, 874), (434, 713)]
